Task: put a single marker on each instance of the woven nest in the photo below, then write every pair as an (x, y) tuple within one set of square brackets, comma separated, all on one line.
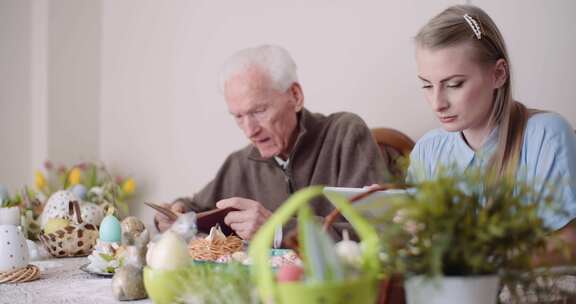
[(26, 274), (211, 250)]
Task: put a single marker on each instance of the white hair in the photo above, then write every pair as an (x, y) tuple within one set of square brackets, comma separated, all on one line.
[(274, 60)]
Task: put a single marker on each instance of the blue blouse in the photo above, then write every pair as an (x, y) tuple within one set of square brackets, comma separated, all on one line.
[(548, 156)]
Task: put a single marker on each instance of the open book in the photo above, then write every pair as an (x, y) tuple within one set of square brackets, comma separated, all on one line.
[(204, 220)]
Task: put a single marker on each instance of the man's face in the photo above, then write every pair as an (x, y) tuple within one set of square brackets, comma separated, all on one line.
[(267, 116)]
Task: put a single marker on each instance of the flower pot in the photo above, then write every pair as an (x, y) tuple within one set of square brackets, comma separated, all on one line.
[(10, 215), (447, 290), (13, 248)]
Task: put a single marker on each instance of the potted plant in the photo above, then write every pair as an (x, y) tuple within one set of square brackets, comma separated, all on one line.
[(9, 208), (452, 237)]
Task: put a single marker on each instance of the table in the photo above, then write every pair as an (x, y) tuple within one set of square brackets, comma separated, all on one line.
[(62, 281)]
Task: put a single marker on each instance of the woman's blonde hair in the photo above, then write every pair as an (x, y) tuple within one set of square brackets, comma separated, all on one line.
[(450, 28)]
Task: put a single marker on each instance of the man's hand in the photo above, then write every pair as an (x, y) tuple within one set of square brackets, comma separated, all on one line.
[(162, 222), (249, 217)]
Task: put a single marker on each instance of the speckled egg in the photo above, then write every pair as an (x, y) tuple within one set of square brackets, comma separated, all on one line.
[(91, 213), (110, 229), (57, 206), (13, 248)]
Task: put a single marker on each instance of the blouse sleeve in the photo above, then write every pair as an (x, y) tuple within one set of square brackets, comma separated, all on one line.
[(550, 158)]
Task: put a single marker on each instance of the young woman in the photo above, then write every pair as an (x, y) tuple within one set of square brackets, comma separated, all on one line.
[(465, 72)]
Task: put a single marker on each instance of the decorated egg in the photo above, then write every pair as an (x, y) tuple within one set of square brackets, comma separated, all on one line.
[(79, 190), (54, 224), (91, 213), (289, 273), (57, 206), (110, 229), (169, 253), (13, 248)]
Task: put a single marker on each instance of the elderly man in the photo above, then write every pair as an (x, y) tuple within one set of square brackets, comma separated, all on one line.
[(290, 148)]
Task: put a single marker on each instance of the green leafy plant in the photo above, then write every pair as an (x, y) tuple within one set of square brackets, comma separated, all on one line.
[(11, 202), (99, 186), (210, 283), (463, 224)]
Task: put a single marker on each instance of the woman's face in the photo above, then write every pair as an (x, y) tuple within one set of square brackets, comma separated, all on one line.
[(459, 90)]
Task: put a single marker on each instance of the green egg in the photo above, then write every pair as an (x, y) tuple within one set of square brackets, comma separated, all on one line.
[(110, 229)]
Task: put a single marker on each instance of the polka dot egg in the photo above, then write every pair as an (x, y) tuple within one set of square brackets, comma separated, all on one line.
[(13, 248)]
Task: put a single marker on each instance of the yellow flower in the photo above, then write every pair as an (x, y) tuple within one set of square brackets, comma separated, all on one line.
[(40, 180), (74, 176), (129, 186)]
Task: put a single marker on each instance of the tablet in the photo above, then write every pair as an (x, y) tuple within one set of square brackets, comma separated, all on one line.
[(371, 206)]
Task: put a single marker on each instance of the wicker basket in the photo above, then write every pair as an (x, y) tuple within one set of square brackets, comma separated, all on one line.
[(391, 289), (360, 290), (76, 239)]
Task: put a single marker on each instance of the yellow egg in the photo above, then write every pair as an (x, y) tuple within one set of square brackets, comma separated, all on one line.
[(169, 252), (55, 224)]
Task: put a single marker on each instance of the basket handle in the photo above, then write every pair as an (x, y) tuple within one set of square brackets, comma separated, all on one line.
[(74, 209), (330, 218), (262, 241)]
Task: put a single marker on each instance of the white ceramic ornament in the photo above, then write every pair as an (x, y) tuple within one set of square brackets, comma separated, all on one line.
[(13, 248)]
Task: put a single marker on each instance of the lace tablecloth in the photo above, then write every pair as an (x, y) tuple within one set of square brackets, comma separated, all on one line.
[(62, 281)]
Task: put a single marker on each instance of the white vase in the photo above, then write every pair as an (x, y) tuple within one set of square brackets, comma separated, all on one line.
[(452, 290), (13, 248), (10, 215)]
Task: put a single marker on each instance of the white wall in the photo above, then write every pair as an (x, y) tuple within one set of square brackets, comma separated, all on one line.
[(73, 80), (542, 45), (159, 76), (134, 82), (15, 93)]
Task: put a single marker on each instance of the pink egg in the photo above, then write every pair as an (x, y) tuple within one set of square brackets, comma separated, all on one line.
[(289, 273)]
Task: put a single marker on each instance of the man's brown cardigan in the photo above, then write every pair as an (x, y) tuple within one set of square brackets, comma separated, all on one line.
[(335, 150)]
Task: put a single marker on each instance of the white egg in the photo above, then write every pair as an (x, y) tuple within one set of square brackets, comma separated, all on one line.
[(168, 253), (13, 248)]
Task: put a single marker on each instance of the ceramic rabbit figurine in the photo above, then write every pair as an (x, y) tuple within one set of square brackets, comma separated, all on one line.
[(128, 281)]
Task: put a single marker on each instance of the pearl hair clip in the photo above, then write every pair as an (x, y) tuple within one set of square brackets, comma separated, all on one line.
[(474, 25)]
